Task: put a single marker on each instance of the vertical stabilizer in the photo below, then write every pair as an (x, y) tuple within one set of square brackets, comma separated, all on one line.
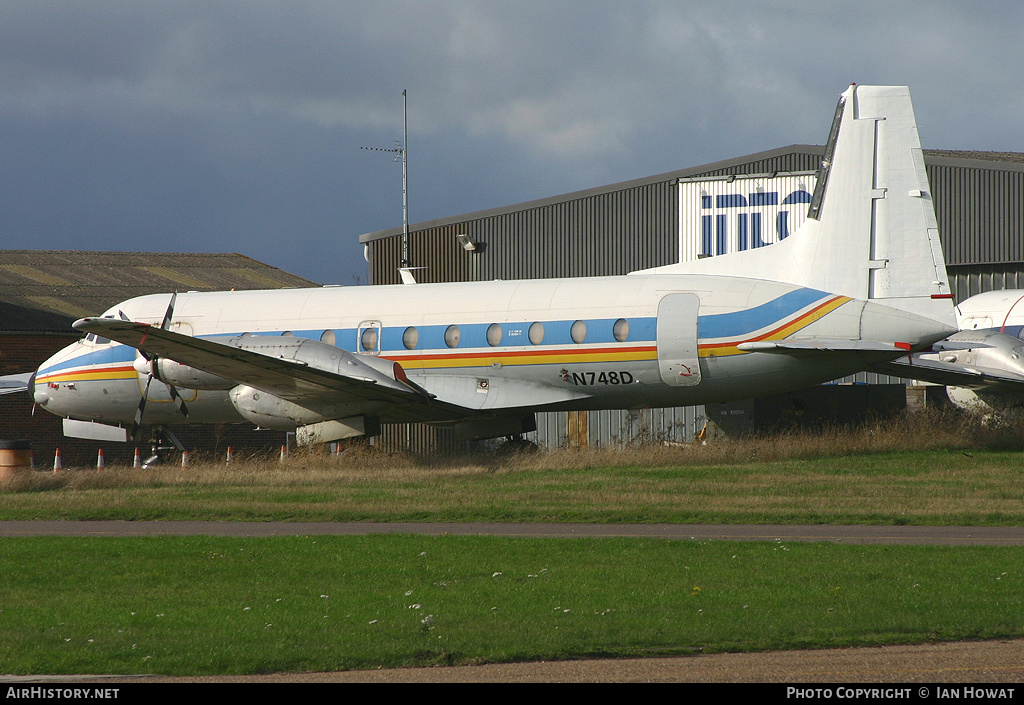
[(871, 231)]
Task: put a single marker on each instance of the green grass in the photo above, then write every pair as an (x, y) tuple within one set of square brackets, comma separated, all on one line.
[(201, 605)]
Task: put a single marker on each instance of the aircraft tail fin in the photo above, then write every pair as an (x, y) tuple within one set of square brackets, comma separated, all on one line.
[(871, 231)]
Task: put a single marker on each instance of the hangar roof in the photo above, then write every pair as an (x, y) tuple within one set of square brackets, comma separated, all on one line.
[(45, 290), (1004, 161)]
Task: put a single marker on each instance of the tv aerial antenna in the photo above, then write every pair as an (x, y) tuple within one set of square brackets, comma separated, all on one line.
[(401, 151)]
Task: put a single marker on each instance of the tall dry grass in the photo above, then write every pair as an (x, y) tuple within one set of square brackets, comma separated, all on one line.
[(928, 430), (933, 429)]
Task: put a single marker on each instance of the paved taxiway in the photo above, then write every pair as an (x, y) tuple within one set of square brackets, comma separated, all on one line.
[(953, 662), (967, 662)]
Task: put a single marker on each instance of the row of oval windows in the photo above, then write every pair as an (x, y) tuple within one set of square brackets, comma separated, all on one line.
[(369, 338)]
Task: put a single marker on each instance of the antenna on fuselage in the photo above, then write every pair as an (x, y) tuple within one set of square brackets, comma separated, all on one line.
[(401, 151)]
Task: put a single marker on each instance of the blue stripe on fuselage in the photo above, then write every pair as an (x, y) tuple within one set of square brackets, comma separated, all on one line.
[(727, 325)]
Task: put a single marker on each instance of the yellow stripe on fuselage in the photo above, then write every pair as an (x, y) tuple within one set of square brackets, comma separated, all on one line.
[(780, 333), (560, 356), (96, 373)]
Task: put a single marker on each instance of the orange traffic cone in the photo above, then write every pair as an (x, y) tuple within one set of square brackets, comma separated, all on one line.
[(99, 460), (56, 461), (137, 463)]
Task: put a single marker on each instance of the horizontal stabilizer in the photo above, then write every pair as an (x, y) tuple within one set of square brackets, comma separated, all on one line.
[(817, 345), (953, 375)]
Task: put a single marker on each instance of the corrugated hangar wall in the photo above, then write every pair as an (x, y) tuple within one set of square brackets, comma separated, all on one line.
[(979, 204), (607, 231), (635, 225)]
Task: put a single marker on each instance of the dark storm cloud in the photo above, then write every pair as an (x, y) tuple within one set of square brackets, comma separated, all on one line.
[(236, 126)]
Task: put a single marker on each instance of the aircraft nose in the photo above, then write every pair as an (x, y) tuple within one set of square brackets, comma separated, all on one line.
[(40, 393)]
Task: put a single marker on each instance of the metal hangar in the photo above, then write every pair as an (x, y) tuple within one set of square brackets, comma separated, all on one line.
[(707, 210)]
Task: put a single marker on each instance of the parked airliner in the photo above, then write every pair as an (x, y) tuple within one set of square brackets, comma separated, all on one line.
[(862, 282), (982, 365)]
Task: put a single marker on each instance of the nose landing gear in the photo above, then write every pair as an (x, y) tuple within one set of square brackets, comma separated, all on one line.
[(162, 443)]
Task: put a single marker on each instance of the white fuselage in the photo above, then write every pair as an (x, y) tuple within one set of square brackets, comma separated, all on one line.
[(509, 347)]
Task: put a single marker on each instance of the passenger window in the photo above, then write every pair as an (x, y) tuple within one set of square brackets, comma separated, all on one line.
[(368, 339), (537, 333), (620, 330), (327, 337), (578, 332), (452, 336), (494, 335), (410, 338)]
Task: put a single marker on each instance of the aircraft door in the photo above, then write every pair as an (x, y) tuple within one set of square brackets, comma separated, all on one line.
[(368, 338), (677, 340)]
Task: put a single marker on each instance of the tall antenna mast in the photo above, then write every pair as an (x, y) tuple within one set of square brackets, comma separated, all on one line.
[(406, 262), (401, 151)]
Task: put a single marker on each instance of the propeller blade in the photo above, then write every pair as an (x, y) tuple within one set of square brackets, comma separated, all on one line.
[(169, 313), (153, 372), (142, 408), (178, 401)]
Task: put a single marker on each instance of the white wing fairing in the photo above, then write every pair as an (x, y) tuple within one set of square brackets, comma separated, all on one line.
[(485, 356)]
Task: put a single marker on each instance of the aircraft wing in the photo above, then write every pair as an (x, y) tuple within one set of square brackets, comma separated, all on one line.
[(953, 375), (11, 384), (291, 379)]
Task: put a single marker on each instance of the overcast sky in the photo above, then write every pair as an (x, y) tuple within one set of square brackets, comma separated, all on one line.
[(219, 126)]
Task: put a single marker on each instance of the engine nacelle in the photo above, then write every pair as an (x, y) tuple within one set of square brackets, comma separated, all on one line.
[(321, 356), (177, 375), (268, 411)]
